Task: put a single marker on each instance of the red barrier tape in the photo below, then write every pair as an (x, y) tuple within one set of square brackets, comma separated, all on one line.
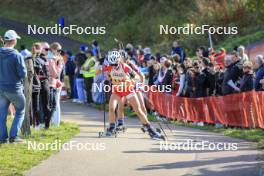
[(242, 109)]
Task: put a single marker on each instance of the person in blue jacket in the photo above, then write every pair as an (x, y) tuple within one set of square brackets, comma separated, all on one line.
[(12, 73), (177, 49)]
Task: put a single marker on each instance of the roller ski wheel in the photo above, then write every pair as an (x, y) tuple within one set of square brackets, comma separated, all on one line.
[(108, 133), (163, 138), (158, 130), (100, 134), (155, 134), (157, 137), (143, 129), (121, 129)]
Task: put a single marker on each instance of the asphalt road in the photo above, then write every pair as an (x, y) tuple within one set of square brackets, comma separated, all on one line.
[(134, 154)]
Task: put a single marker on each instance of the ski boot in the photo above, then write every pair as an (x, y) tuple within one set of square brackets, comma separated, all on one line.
[(144, 129), (110, 131), (120, 126), (153, 133)]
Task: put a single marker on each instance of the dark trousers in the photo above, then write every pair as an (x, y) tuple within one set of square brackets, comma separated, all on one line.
[(36, 108), (44, 100), (72, 84), (88, 87), (52, 106)]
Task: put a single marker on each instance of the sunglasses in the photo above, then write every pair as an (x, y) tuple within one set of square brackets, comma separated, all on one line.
[(114, 65), (247, 67)]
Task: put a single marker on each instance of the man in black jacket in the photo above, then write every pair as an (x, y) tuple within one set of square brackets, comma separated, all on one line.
[(233, 73), (207, 74), (200, 82), (167, 80)]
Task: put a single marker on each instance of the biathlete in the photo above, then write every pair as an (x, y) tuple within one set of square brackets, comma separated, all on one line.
[(139, 80), (123, 86)]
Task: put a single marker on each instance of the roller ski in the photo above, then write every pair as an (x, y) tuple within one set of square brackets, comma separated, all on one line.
[(121, 128), (160, 130), (109, 132), (144, 129), (154, 134)]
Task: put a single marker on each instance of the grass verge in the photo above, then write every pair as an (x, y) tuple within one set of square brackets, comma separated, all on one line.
[(17, 158)]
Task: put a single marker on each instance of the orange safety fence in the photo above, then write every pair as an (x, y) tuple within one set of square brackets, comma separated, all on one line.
[(242, 109)]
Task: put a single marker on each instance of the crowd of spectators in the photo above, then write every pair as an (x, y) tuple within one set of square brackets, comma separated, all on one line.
[(208, 73)]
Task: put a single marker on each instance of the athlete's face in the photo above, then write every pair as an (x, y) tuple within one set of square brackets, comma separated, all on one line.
[(115, 65)]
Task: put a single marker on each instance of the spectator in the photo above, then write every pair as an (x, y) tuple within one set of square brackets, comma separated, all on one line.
[(177, 49), (55, 66), (241, 53), (147, 53), (246, 83), (140, 56), (199, 82), (152, 70), (258, 64), (208, 76), (183, 77), (219, 57), (144, 68), (12, 73), (167, 80), (60, 80), (219, 78), (228, 85), (69, 70), (162, 71), (88, 69), (237, 66), (80, 59), (38, 70), (175, 59), (201, 52), (44, 80)]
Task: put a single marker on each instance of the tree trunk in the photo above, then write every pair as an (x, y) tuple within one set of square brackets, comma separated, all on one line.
[(25, 129)]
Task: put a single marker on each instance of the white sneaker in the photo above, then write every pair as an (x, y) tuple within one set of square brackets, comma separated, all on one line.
[(80, 102), (75, 100)]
